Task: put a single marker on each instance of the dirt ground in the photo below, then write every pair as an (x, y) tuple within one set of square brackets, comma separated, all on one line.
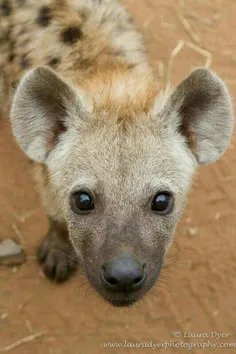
[(197, 291)]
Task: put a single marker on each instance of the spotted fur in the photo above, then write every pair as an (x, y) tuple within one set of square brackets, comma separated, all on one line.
[(86, 37)]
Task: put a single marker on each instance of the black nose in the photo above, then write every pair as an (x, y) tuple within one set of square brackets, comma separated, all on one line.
[(124, 273)]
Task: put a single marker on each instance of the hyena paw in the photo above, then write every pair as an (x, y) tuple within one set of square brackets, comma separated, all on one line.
[(58, 261)]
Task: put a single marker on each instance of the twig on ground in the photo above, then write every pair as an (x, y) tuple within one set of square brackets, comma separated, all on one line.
[(201, 51), (188, 28), (173, 54), (18, 234), (176, 51), (22, 306), (29, 326), (196, 17), (24, 340)]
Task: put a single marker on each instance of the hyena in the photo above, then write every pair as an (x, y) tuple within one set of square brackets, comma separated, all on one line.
[(113, 157)]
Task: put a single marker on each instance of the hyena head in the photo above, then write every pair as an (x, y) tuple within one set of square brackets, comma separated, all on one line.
[(121, 161)]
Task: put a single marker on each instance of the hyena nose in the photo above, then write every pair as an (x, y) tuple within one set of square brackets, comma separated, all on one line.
[(124, 273)]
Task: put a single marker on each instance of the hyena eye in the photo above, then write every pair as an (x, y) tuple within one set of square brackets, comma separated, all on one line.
[(162, 203), (82, 202)]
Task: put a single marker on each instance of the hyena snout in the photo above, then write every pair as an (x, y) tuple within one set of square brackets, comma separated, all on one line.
[(125, 273)]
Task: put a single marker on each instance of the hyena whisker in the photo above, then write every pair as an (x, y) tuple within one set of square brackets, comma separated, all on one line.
[(73, 259)]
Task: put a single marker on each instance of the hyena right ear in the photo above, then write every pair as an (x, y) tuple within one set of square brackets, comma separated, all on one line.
[(201, 109), (40, 111)]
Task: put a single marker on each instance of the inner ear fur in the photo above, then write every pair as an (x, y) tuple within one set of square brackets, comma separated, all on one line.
[(40, 111), (204, 111)]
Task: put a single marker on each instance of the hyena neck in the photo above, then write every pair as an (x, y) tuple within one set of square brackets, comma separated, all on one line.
[(121, 92), (109, 44)]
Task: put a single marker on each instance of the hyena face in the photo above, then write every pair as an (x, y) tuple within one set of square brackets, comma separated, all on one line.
[(120, 164)]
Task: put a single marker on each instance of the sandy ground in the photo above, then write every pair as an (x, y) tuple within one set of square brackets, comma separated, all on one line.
[(198, 289)]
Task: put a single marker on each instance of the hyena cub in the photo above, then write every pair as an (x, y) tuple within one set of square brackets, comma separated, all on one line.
[(113, 159)]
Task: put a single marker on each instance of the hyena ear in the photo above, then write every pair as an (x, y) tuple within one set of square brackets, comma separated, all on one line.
[(204, 113), (40, 110)]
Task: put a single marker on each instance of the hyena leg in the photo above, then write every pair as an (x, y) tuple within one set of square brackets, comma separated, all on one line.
[(56, 253)]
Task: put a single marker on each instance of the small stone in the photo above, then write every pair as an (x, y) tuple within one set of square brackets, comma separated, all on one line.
[(11, 253), (4, 316), (192, 231), (217, 216)]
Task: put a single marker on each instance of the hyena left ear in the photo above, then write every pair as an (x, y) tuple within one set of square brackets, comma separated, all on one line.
[(41, 111), (204, 114)]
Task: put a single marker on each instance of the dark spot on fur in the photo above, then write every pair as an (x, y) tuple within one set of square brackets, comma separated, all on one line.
[(21, 32), (24, 43), (44, 16), (131, 66), (84, 63), (130, 19), (24, 63), (11, 57), (119, 53), (71, 35), (53, 62), (5, 37), (103, 19), (6, 8), (83, 15)]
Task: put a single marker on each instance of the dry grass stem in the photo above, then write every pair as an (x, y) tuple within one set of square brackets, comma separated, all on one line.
[(195, 37), (24, 340)]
